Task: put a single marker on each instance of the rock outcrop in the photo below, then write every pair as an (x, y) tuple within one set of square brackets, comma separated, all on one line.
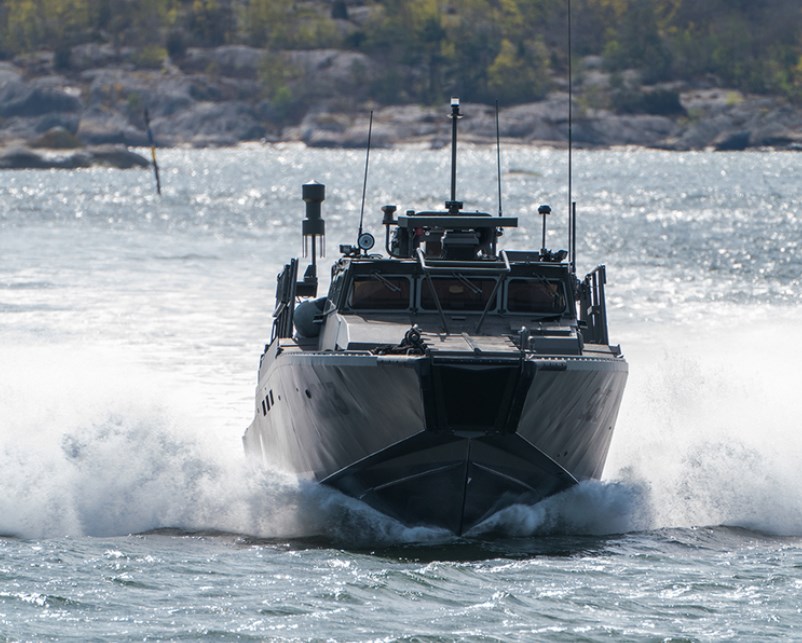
[(23, 158), (214, 97)]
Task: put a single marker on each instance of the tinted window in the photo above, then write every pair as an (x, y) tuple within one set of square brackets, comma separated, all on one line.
[(335, 291), (376, 292), (457, 294), (535, 296)]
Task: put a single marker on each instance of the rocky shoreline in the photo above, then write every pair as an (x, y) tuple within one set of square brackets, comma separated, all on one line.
[(92, 113)]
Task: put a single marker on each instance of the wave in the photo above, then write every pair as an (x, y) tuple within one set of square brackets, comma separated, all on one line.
[(27, 285), (94, 444), (712, 421)]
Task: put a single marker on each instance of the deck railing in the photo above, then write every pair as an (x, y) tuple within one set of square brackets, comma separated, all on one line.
[(285, 300), (592, 307)]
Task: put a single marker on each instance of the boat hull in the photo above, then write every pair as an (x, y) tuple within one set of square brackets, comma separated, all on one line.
[(444, 441)]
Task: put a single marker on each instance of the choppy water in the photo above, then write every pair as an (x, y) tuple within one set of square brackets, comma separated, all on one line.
[(130, 331)]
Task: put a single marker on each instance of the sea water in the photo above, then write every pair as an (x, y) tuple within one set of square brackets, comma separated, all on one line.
[(130, 332)]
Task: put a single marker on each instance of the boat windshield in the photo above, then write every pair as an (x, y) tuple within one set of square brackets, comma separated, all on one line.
[(379, 292), (457, 293), (535, 296)]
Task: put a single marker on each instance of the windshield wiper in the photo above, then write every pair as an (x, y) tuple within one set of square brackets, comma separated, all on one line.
[(390, 285), (467, 282)]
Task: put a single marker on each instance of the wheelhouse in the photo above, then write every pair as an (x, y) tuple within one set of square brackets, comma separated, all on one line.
[(368, 285)]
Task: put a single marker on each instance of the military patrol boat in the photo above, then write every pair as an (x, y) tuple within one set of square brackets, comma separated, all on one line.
[(446, 380)]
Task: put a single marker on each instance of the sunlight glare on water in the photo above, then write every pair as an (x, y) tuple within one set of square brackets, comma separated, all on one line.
[(130, 333)]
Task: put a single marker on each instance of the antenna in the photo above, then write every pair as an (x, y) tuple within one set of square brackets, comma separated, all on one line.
[(571, 204), (573, 237), (365, 240), (498, 159), (365, 181), (453, 205)]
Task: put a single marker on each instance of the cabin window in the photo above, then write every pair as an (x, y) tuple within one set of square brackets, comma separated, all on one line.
[(535, 296), (379, 292), (457, 293), (335, 291)]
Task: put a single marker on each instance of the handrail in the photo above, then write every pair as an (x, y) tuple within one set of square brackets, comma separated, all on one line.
[(501, 271), (450, 266), (490, 299), (285, 301), (593, 307), (427, 272), (503, 255)]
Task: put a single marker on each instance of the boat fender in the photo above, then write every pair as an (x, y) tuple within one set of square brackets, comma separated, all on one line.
[(307, 315)]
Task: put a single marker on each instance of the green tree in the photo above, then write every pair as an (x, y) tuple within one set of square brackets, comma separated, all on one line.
[(519, 73), (407, 39), (505, 49), (635, 41), (277, 24), (209, 23)]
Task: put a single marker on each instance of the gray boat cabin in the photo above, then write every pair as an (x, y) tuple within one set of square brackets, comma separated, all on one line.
[(446, 284)]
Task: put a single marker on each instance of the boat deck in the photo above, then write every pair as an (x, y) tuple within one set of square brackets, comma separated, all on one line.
[(463, 342)]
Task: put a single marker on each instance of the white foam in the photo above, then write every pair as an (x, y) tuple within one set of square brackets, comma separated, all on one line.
[(712, 421), (93, 443), (589, 508)]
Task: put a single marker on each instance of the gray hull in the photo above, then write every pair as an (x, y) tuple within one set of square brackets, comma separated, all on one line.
[(444, 441)]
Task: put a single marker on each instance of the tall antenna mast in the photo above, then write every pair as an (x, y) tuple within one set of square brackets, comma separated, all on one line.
[(365, 180), (453, 205), (571, 205), (498, 159)]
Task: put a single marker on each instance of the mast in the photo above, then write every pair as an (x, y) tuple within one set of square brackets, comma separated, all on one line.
[(571, 204), (498, 159), (365, 180), (453, 205), (313, 229)]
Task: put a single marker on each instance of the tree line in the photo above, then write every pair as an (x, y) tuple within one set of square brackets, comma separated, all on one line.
[(507, 50)]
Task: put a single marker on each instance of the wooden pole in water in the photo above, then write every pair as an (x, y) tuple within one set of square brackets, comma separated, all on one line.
[(153, 153)]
